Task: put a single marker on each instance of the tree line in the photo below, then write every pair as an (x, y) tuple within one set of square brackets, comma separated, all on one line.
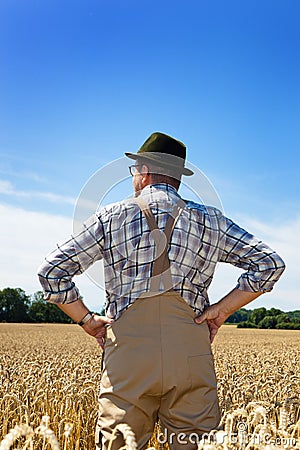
[(17, 306), (266, 318)]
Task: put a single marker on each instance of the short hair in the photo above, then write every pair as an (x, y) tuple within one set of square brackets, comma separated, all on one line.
[(162, 174)]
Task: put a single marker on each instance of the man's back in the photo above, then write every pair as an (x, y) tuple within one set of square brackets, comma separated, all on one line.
[(120, 235)]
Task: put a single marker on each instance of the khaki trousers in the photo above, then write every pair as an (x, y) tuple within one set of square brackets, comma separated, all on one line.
[(158, 364)]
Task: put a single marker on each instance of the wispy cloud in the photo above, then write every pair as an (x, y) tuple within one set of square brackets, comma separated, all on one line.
[(8, 189), (26, 237), (22, 174)]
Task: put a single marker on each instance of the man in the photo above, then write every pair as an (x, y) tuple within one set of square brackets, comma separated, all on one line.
[(159, 254)]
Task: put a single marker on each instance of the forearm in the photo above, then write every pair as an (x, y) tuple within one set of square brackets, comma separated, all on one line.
[(76, 310), (95, 326), (235, 300)]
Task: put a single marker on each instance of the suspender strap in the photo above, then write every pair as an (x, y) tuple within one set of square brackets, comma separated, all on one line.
[(161, 267)]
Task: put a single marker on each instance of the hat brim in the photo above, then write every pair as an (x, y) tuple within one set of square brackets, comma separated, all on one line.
[(185, 171)]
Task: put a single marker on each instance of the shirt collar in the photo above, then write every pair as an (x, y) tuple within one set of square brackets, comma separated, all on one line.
[(152, 188)]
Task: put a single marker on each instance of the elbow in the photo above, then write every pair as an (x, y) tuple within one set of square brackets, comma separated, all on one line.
[(43, 273), (273, 275), (262, 278), (279, 265), (43, 269)]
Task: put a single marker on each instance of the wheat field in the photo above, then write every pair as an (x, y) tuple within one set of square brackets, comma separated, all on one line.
[(49, 377)]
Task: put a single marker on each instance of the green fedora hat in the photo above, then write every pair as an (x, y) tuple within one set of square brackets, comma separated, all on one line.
[(163, 150)]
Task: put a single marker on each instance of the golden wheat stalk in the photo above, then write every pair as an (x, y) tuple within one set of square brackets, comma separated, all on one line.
[(46, 432), (128, 435), (14, 434)]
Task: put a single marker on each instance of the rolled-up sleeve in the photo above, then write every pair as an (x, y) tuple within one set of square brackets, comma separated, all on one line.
[(71, 258), (262, 265)]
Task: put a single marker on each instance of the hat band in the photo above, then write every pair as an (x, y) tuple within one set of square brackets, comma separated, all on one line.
[(162, 159)]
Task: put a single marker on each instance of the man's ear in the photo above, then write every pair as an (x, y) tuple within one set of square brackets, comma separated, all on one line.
[(145, 170), (145, 175)]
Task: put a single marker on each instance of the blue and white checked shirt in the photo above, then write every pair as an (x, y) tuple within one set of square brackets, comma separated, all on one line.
[(119, 234)]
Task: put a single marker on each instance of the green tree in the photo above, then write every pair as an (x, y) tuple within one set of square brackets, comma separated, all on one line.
[(257, 315), (282, 318), (14, 304), (241, 315), (267, 322), (274, 312), (246, 324), (288, 326), (42, 311), (294, 316)]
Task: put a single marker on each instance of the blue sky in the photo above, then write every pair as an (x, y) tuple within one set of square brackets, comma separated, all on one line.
[(83, 81)]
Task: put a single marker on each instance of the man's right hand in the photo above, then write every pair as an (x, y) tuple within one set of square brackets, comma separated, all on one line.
[(96, 327)]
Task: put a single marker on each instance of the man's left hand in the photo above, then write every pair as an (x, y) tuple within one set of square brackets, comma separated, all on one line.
[(217, 313)]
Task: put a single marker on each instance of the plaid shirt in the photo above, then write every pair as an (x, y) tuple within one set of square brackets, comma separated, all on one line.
[(119, 234)]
